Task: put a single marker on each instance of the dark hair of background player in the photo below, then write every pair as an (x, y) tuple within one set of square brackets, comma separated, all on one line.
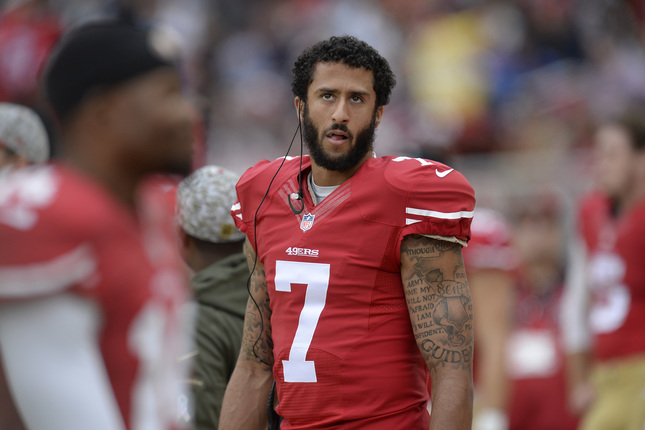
[(633, 122)]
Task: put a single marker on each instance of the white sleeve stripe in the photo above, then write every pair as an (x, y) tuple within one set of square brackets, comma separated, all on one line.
[(441, 215), (452, 239), (47, 277), (236, 207), (239, 216), (409, 221)]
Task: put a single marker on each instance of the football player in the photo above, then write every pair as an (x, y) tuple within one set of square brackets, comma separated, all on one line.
[(358, 287), (90, 282), (604, 305)]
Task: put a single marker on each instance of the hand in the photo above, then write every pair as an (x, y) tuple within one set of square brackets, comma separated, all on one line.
[(490, 419), (582, 397)]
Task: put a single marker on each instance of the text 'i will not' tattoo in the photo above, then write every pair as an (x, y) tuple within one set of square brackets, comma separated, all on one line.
[(439, 299)]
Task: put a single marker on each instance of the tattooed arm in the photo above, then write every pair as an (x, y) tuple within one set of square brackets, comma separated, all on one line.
[(247, 394), (441, 313)]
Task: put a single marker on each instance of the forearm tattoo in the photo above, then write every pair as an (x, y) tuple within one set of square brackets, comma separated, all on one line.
[(439, 300), (257, 343)]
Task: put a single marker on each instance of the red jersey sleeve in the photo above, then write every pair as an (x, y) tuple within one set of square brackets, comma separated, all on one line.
[(252, 189), (49, 229), (489, 246), (438, 200), (592, 215)]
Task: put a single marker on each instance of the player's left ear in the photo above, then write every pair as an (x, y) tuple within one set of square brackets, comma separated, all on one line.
[(379, 114), (300, 105)]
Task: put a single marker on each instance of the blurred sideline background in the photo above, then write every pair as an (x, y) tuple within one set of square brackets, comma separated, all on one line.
[(507, 91)]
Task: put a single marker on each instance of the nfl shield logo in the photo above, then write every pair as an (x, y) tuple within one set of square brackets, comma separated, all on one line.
[(307, 222)]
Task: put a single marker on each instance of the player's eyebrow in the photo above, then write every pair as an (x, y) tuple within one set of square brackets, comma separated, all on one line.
[(324, 90)]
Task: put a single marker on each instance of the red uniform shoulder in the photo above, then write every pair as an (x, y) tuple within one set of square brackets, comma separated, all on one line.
[(48, 211), (489, 246), (429, 185), (438, 199), (254, 185)]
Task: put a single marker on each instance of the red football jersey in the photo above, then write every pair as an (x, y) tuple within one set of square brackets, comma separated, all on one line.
[(616, 275), (66, 244), (27, 36), (489, 247), (536, 364), (345, 354)]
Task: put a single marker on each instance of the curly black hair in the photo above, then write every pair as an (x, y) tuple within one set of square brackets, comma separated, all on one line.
[(347, 50)]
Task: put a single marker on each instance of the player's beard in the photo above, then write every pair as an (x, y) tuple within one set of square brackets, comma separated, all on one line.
[(363, 144), (182, 168)]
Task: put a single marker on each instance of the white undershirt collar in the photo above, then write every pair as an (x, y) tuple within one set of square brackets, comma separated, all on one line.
[(319, 193)]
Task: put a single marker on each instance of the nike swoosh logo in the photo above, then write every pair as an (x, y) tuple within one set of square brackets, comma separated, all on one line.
[(444, 173)]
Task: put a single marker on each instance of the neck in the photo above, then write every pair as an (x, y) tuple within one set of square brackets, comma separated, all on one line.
[(329, 178), (631, 198), (543, 275), (104, 169)]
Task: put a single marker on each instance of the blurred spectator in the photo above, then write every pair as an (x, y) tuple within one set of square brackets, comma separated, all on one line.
[(211, 245), (446, 76), (490, 264), (28, 30), (535, 354), (23, 138), (604, 311), (90, 286), (475, 76)]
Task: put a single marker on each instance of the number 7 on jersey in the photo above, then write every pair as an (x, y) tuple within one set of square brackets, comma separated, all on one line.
[(316, 276)]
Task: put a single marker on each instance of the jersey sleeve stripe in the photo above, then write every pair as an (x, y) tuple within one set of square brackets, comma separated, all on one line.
[(409, 221), (47, 277), (452, 239), (236, 210), (441, 215)]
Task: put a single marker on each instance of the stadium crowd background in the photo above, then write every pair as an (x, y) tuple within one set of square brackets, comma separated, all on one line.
[(506, 91)]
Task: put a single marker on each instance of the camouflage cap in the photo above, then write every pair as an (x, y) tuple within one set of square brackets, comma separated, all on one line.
[(204, 201), (22, 131)]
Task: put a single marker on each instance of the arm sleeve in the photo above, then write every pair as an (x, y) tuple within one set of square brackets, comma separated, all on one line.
[(490, 245), (249, 197), (438, 207), (218, 348), (47, 277), (54, 367), (573, 312)]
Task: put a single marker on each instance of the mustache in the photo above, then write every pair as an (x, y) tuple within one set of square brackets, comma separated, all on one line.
[(341, 127)]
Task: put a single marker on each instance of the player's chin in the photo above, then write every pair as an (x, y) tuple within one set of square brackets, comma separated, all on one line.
[(181, 164), (179, 159), (182, 169), (337, 150)]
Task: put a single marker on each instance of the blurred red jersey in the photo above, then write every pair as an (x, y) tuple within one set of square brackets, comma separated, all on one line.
[(345, 354), (27, 35), (69, 245), (616, 275), (536, 363), (489, 247)]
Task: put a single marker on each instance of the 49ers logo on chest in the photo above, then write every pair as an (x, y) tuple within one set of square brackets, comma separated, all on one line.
[(307, 222)]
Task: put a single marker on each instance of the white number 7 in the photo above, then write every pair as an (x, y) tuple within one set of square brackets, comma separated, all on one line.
[(316, 276)]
